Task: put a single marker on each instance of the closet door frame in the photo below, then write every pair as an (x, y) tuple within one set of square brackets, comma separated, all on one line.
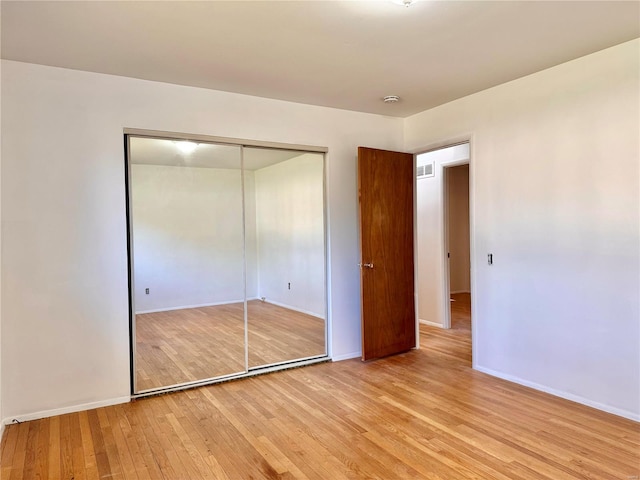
[(163, 135)]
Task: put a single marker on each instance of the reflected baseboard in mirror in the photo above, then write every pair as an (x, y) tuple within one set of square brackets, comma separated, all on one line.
[(180, 346)]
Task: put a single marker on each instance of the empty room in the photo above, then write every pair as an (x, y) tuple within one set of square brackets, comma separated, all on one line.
[(320, 240)]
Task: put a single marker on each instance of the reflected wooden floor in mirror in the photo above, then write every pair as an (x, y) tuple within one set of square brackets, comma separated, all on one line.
[(193, 344), (278, 334)]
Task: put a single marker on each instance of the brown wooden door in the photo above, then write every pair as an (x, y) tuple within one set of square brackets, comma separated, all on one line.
[(385, 184)]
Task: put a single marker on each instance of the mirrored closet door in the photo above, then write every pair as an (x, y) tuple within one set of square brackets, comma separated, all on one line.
[(227, 260), (284, 225), (185, 209)]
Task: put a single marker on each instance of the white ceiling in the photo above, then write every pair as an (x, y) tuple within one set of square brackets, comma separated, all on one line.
[(157, 151), (344, 54)]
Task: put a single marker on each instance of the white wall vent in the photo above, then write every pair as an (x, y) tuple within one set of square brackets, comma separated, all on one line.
[(427, 170)]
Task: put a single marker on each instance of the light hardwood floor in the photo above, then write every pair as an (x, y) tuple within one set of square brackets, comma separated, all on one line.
[(421, 415), (181, 346)]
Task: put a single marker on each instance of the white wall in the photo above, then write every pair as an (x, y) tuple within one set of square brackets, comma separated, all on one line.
[(457, 189), (187, 236), (554, 174), (430, 223), (290, 228), (64, 270)]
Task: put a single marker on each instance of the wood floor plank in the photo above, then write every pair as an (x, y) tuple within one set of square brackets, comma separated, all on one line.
[(424, 414), (66, 450), (33, 439), (54, 447), (91, 467), (189, 449), (139, 427), (119, 447), (42, 452), (246, 436), (97, 437), (7, 451), (487, 466), (77, 451), (219, 435), (17, 471), (168, 462)]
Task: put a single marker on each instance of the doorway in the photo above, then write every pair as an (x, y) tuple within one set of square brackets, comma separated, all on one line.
[(436, 198), (432, 242)]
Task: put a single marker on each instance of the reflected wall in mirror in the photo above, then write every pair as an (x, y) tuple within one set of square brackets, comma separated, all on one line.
[(227, 260), (284, 215), (188, 278)]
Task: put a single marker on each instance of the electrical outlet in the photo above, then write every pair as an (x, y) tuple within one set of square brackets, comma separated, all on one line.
[(146, 290)]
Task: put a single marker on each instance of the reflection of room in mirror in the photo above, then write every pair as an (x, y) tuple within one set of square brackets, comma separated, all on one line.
[(285, 262), (195, 261), (289, 233), (187, 236)]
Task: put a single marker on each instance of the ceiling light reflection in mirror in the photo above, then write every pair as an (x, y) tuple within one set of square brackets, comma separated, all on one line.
[(186, 147), (159, 151)]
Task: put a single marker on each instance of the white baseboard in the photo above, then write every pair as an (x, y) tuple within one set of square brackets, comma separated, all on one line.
[(61, 411), (184, 307), (430, 323), (295, 309), (561, 394), (346, 356), (1, 430)]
